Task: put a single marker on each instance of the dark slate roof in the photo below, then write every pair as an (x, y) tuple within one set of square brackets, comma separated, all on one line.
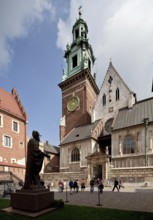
[(134, 116), (51, 149), (80, 133)]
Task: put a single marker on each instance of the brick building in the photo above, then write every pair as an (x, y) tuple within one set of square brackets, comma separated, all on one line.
[(13, 136)]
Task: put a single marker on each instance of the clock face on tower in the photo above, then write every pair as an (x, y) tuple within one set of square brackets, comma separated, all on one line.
[(73, 103)]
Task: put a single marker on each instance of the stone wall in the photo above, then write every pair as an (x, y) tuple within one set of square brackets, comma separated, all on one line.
[(53, 178), (137, 174), (85, 148)]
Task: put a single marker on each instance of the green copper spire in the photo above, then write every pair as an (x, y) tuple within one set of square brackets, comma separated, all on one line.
[(79, 54)]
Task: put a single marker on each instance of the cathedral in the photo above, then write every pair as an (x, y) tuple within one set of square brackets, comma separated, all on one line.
[(104, 133)]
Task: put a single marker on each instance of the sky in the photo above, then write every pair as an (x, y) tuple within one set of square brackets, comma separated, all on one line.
[(34, 35)]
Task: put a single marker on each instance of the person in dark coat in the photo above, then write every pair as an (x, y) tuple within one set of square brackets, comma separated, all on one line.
[(92, 183), (100, 186), (71, 186), (115, 185), (76, 186)]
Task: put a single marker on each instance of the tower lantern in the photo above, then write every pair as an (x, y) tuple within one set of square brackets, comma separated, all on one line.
[(79, 54)]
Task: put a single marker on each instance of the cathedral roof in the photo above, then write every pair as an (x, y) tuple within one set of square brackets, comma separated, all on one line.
[(80, 133), (51, 148), (134, 116), (11, 104)]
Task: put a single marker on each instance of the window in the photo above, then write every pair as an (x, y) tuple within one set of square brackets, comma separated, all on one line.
[(89, 64), (76, 33), (128, 144), (117, 94), (1, 121), (13, 160), (74, 61), (21, 144), (15, 126), (104, 100), (7, 141), (75, 156)]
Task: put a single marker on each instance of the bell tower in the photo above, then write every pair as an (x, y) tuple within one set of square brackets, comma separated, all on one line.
[(78, 86)]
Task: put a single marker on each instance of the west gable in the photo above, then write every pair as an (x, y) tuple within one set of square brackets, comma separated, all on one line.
[(114, 95), (11, 104)]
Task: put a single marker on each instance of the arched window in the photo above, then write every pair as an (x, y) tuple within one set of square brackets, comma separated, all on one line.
[(75, 155), (128, 145), (117, 94), (104, 100)]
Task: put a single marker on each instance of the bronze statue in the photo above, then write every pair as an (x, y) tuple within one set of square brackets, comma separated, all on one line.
[(34, 162)]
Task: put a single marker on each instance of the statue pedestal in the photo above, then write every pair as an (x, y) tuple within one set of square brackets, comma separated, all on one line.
[(32, 200)]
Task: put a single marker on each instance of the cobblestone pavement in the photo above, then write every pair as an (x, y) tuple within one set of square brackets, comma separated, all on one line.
[(129, 198)]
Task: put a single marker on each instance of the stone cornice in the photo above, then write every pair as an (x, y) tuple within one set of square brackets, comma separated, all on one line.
[(78, 77)]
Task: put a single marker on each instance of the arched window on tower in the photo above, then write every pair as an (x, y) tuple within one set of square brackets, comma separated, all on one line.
[(74, 61), (76, 33), (104, 100), (117, 94), (89, 64), (75, 155), (128, 145)]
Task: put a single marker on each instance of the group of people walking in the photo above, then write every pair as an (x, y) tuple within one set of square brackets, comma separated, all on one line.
[(98, 183), (74, 185)]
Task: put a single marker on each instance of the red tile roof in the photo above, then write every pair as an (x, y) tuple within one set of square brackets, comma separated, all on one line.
[(11, 104)]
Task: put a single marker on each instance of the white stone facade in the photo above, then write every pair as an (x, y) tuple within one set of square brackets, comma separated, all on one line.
[(112, 106)]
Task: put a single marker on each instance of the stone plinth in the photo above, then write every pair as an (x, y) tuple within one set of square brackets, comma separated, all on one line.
[(32, 200)]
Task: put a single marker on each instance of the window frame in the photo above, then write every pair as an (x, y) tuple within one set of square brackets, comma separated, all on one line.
[(13, 160), (74, 61), (1, 120), (77, 33), (14, 122), (117, 94), (104, 99), (129, 144), (5, 140), (75, 155)]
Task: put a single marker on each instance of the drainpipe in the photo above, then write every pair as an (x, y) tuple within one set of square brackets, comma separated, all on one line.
[(146, 120)]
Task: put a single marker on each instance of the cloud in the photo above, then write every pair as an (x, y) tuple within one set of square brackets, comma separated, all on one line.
[(121, 30), (15, 19)]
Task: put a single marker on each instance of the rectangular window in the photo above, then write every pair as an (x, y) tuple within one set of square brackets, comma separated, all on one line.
[(74, 61), (15, 126), (89, 65), (7, 141), (13, 160), (76, 33), (21, 144), (1, 121)]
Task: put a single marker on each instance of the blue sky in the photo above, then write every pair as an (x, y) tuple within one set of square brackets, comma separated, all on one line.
[(34, 34)]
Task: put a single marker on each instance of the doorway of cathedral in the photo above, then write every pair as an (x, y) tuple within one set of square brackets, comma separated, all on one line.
[(97, 172)]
